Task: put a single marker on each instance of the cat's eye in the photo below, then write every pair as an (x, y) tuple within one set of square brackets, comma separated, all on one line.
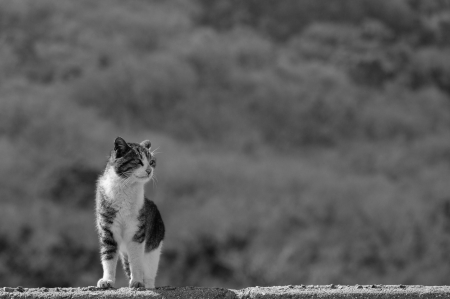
[(152, 163), (140, 163)]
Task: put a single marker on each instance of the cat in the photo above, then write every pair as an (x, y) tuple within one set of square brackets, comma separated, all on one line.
[(128, 223)]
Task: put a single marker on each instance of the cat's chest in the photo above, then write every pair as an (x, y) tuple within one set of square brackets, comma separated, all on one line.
[(126, 222), (126, 200), (124, 227), (127, 205)]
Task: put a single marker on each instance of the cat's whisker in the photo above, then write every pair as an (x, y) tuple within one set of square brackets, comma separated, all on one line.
[(155, 151), (124, 182), (154, 181)]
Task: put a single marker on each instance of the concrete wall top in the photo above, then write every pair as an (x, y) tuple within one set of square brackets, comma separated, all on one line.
[(325, 292)]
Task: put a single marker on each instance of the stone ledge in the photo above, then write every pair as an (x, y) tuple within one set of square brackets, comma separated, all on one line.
[(330, 291)]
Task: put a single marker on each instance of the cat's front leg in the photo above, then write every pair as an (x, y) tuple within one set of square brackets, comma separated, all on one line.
[(135, 256), (151, 261), (109, 273), (108, 252)]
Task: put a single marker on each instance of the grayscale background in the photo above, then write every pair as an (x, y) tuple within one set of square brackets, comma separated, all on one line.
[(301, 141)]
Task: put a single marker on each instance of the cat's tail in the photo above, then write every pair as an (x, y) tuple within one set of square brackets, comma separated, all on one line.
[(125, 264)]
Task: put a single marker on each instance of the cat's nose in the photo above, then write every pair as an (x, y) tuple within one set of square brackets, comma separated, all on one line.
[(148, 171)]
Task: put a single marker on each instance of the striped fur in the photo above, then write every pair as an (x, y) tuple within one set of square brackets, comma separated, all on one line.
[(125, 264), (128, 224)]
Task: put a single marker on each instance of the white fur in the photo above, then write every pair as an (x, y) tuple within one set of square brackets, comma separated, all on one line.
[(151, 266), (127, 197)]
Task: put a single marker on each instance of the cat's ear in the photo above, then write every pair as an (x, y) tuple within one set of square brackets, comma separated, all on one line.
[(121, 147), (147, 144)]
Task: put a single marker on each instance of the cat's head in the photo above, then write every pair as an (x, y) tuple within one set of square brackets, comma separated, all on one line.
[(133, 160)]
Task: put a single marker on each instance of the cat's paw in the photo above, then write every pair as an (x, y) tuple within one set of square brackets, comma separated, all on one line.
[(136, 284), (105, 283)]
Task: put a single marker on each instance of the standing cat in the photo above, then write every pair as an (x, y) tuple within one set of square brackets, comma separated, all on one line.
[(128, 223)]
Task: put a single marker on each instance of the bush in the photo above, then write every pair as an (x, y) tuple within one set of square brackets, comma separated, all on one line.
[(430, 67), (403, 115), (55, 139), (340, 111), (308, 104), (367, 53), (138, 92), (285, 19)]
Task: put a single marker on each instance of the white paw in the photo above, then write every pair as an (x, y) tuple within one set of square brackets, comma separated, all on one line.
[(136, 284), (105, 283)]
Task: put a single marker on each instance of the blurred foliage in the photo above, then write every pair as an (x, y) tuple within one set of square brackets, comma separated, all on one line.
[(303, 141)]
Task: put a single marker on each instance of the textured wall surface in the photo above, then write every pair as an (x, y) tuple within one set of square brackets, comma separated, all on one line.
[(330, 291)]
